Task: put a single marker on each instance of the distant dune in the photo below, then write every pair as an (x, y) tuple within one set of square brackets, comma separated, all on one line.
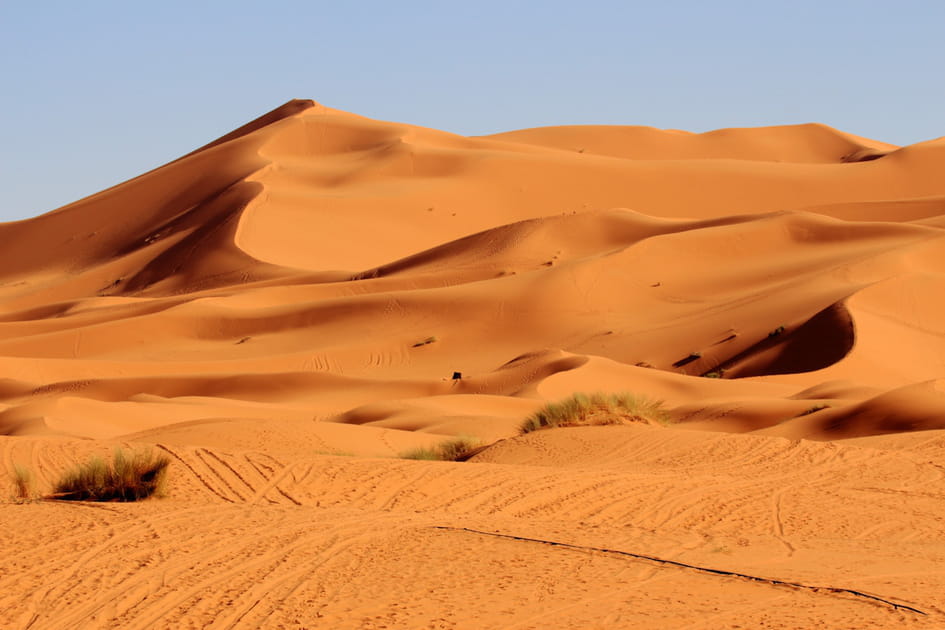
[(288, 310)]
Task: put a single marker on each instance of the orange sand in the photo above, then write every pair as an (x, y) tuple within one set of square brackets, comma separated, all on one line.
[(281, 312)]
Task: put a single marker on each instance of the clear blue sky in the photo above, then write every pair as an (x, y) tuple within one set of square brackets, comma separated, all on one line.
[(97, 92)]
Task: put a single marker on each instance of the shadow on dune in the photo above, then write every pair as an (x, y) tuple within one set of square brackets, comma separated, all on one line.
[(821, 341)]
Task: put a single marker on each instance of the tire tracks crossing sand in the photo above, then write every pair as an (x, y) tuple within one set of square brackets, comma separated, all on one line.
[(161, 560), (692, 567)]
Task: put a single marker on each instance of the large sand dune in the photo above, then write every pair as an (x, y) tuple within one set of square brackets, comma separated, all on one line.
[(282, 312)]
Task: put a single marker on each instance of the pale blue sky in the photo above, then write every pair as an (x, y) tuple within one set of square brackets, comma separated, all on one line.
[(97, 92)]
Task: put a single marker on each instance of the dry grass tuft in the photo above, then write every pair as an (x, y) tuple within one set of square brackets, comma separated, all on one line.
[(127, 478), (595, 409), (455, 450), (22, 484)]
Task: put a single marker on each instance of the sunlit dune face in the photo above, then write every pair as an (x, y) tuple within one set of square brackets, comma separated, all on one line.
[(389, 376)]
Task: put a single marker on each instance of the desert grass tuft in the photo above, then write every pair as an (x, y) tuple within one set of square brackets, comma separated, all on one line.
[(22, 484), (595, 409), (128, 477), (458, 449)]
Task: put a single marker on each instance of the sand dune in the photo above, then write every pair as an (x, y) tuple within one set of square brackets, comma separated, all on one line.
[(288, 310)]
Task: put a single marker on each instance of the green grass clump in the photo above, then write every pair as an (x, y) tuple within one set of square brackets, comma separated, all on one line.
[(595, 409), (126, 478), (455, 450)]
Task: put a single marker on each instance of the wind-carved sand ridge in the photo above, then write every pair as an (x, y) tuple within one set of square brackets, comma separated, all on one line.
[(281, 314)]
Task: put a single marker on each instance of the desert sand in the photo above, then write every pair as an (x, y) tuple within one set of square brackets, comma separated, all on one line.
[(282, 312)]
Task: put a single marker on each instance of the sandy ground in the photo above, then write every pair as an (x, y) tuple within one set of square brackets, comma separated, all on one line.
[(282, 312)]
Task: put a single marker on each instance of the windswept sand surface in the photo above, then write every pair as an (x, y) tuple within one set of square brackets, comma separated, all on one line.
[(281, 313)]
